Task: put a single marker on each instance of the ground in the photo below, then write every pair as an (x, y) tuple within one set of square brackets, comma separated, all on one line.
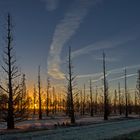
[(88, 129)]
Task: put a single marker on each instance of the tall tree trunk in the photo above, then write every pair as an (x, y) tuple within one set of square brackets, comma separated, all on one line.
[(126, 96), (91, 99), (10, 118), (39, 92), (120, 99), (105, 90), (71, 89)]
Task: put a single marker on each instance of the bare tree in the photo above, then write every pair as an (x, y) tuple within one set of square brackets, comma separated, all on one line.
[(138, 82), (120, 99), (138, 91), (70, 78), (13, 87), (115, 101), (81, 103), (22, 100), (23, 91), (47, 100), (68, 102), (34, 98), (54, 101), (39, 94), (96, 102), (126, 94), (84, 99), (91, 99), (106, 109)]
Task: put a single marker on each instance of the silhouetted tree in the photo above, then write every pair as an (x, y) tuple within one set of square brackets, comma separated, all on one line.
[(126, 94), (91, 99), (34, 98), (106, 109), (120, 99), (54, 101), (39, 94), (115, 101), (21, 101), (70, 78), (47, 100), (14, 90), (96, 102), (84, 99), (138, 90), (81, 103)]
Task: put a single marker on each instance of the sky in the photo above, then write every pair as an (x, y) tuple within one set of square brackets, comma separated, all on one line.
[(44, 29)]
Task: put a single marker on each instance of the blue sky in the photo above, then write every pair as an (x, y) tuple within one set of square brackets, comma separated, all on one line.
[(43, 30)]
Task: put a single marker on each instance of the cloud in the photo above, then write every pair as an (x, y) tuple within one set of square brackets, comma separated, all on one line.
[(107, 59), (122, 77), (120, 70), (66, 28), (51, 5), (90, 75), (102, 45), (99, 76)]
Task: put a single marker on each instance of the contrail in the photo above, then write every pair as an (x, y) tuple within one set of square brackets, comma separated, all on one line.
[(104, 44), (113, 71), (66, 28)]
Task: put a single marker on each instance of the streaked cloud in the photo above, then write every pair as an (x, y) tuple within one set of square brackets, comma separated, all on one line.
[(66, 28), (96, 77), (120, 70), (107, 59), (122, 77), (90, 75), (102, 45), (51, 5)]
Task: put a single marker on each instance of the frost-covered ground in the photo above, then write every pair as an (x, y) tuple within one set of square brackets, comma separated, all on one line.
[(49, 122), (90, 132), (90, 128)]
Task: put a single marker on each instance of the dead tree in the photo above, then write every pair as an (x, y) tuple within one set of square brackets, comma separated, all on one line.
[(138, 82), (70, 78), (126, 94), (12, 88), (81, 103), (34, 98), (120, 99), (39, 95), (138, 90), (96, 102), (84, 99), (54, 101), (23, 91), (47, 100), (106, 109), (22, 98), (68, 102), (136, 103), (91, 99), (115, 102)]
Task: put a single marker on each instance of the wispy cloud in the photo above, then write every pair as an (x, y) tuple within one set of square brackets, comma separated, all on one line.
[(120, 70), (102, 45), (99, 76), (64, 31), (51, 5), (89, 75), (122, 77), (107, 59)]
